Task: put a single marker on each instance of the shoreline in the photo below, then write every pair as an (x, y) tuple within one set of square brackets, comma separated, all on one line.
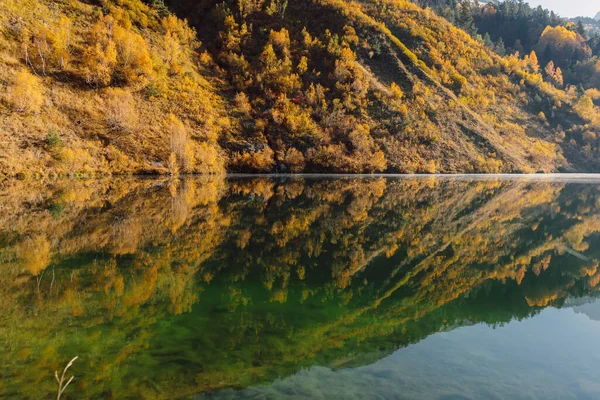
[(551, 177)]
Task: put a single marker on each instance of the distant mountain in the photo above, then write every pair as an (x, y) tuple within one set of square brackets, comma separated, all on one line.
[(597, 17)]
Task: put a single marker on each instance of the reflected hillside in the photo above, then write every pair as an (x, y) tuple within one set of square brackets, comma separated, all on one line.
[(174, 287)]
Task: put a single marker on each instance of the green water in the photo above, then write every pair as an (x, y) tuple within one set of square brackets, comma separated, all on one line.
[(308, 287)]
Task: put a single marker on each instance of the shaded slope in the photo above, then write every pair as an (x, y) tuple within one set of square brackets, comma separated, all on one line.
[(457, 109)]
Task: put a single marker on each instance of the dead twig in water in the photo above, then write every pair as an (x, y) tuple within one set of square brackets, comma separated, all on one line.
[(61, 381)]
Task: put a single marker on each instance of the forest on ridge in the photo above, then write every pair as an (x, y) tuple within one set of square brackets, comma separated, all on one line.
[(101, 87)]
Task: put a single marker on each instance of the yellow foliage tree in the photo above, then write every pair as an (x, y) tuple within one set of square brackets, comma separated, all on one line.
[(99, 58), (554, 74), (259, 161), (397, 93), (27, 94), (532, 62), (61, 43), (134, 64), (121, 112), (35, 253), (561, 45), (294, 160), (243, 103), (180, 144), (585, 108), (172, 51)]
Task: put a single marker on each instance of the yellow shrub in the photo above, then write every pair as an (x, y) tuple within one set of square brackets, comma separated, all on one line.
[(294, 160), (35, 253), (121, 112), (27, 94), (488, 165), (585, 108), (430, 167), (397, 93), (259, 161), (242, 103), (179, 143), (133, 58), (76, 161), (543, 151), (208, 160), (100, 55), (458, 80)]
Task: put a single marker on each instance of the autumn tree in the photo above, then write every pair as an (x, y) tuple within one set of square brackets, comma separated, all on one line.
[(179, 143), (99, 57), (121, 111), (243, 103), (177, 38), (396, 92), (277, 75), (232, 37), (294, 160), (562, 46), (61, 42), (532, 62), (134, 65), (585, 108), (554, 74), (27, 94)]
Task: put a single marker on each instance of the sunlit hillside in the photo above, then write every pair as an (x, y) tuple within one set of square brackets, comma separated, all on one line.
[(125, 86), (103, 88)]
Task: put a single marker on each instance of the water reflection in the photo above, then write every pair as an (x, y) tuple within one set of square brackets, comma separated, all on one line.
[(168, 288)]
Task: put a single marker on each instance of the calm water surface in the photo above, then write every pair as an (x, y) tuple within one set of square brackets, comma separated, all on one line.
[(269, 288)]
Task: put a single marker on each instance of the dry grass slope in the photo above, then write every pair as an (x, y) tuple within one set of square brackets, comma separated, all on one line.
[(119, 87)]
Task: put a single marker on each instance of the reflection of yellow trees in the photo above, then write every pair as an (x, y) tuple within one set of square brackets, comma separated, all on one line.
[(182, 202), (542, 300), (126, 235), (35, 253), (576, 236), (142, 289), (595, 278), (181, 292), (381, 253)]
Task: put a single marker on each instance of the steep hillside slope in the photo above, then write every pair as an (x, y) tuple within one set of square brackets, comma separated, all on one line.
[(371, 77), (104, 88), (304, 86)]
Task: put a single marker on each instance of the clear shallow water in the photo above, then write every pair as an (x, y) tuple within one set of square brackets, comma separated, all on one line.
[(552, 356), (353, 287)]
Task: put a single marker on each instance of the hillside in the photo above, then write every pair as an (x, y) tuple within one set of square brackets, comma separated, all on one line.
[(121, 87)]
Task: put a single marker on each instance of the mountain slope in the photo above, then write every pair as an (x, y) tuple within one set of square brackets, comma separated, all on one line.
[(111, 89), (304, 86)]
